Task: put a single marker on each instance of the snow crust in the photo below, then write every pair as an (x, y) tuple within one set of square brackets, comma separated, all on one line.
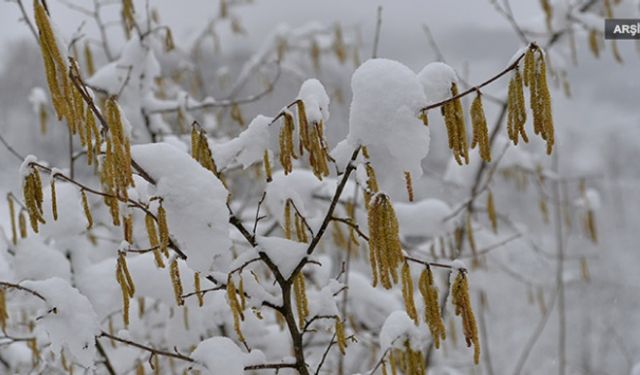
[(316, 100), (285, 254), (220, 355), (436, 79)]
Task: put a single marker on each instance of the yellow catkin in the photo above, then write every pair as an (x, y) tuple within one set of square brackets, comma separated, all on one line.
[(88, 59), (301, 229), (4, 312), (300, 293), (177, 283), (122, 263), (456, 129), (593, 43), (235, 308), (480, 130), (154, 241), (55, 66), (120, 278), (169, 44), (22, 222), (462, 303), (54, 202), (432, 316), (128, 18), (198, 288), (163, 228), (267, 165), (127, 228), (339, 47), (32, 193), (491, 212), (540, 100), (43, 115), (12, 217), (341, 336), (616, 52), (287, 219), (87, 210), (584, 269), (384, 241), (287, 152), (236, 114), (408, 185), (516, 111), (548, 13), (407, 293), (590, 226)]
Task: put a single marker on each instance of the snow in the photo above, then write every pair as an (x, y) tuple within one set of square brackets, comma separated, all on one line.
[(220, 355), (73, 325), (316, 101), (137, 63), (397, 328), (249, 146), (34, 260), (285, 254), (436, 79), (26, 168), (194, 199), (425, 218), (370, 305), (37, 98), (387, 97), (590, 201)]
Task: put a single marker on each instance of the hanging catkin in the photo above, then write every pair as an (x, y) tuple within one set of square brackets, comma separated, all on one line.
[(432, 316), (12, 217), (154, 241), (384, 241), (480, 131), (407, 293), (177, 283), (462, 303)]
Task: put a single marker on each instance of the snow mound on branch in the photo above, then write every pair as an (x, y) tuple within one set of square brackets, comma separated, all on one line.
[(220, 355), (316, 101), (436, 79), (399, 327), (73, 325), (35, 260), (248, 147), (285, 254), (425, 218), (194, 199), (387, 97)]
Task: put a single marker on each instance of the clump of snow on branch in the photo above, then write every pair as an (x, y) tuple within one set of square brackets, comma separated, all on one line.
[(69, 320), (398, 328), (194, 199), (316, 101), (220, 355), (387, 97), (285, 254), (249, 146), (436, 79)]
